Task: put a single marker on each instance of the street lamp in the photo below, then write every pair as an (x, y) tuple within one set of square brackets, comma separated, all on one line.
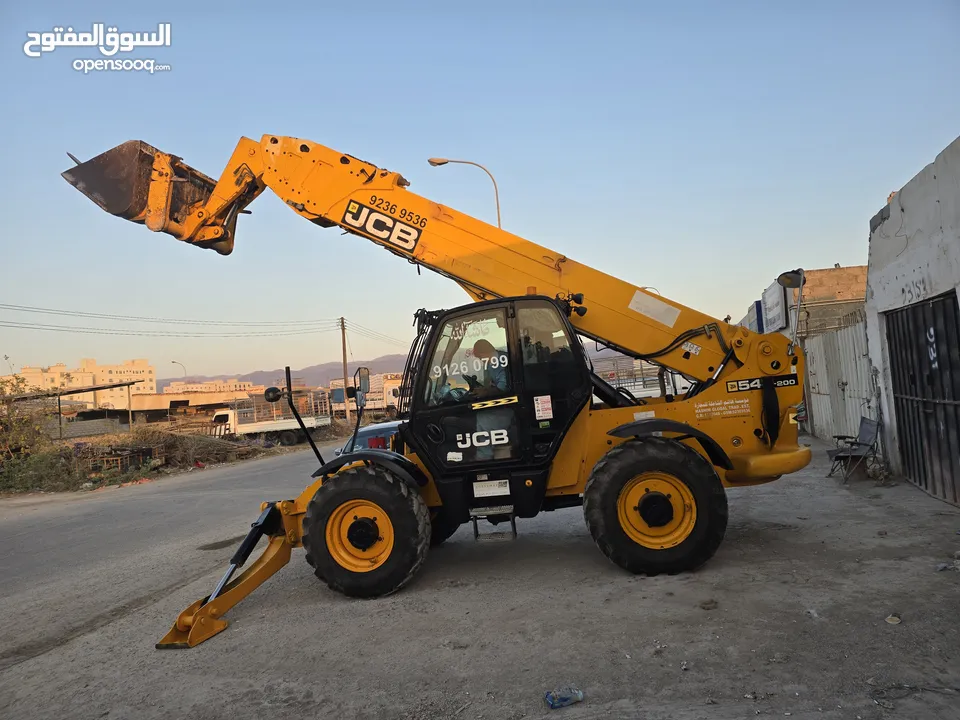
[(793, 280), (174, 362), (436, 162)]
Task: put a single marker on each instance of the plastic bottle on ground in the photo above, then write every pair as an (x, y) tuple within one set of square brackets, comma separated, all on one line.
[(563, 696)]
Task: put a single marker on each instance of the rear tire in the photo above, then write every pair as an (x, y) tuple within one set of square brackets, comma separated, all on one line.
[(655, 506), (386, 518), (288, 438)]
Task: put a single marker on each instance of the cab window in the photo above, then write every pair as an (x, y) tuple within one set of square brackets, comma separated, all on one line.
[(549, 364), (470, 360)]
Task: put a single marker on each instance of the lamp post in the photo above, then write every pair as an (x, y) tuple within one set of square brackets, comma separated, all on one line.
[(436, 162), (794, 279), (174, 362)]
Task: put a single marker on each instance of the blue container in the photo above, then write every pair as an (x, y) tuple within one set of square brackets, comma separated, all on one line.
[(563, 696)]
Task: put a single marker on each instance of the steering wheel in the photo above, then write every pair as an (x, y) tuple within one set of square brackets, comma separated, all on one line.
[(457, 393), (446, 394)]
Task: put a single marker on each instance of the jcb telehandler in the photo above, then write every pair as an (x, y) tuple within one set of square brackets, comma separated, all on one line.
[(503, 417)]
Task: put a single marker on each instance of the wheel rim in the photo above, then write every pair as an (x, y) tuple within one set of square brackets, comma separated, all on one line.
[(359, 536), (656, 510)]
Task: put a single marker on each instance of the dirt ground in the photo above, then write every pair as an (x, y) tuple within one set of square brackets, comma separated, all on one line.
[(787, 620)]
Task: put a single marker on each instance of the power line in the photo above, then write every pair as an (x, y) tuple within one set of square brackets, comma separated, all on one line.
[(279, 328), (106, 316), (375, 332), (346, 337), (376, 335), (158, 333), (379, 339)]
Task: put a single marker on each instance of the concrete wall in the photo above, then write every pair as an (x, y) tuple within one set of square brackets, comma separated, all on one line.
[(824, 317), (84, 428), (914, 255), (836, 284)]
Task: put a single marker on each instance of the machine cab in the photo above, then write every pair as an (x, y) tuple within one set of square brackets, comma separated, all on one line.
[(497, 387)]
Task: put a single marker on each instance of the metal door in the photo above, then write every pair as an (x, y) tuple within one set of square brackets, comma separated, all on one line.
[(924, 349)]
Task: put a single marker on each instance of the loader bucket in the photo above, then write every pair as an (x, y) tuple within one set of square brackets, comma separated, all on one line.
[(116, 180), (119, 179)]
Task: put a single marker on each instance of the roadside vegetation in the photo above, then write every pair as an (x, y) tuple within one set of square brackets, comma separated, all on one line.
[(32, 461)]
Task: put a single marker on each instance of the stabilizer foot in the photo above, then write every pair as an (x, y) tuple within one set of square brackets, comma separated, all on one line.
[(204, 618)]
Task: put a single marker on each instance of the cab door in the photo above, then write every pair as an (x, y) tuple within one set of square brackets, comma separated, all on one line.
[(465, 413), (555, 379)]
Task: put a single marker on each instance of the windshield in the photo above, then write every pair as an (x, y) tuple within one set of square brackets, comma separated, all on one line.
[(470, 354)]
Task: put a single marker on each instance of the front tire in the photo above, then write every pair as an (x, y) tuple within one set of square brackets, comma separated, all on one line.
[(366, 532), (655, 506)]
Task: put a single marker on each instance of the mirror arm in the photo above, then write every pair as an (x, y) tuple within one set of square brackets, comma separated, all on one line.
[(358, 393), (293, 409)]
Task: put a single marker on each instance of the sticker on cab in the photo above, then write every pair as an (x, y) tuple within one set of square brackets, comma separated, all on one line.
[(543, 407)]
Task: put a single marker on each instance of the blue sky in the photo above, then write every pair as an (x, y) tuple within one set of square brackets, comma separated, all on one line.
[(697, 147)]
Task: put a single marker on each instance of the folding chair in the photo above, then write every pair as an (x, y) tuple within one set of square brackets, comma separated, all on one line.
[(851, 452)]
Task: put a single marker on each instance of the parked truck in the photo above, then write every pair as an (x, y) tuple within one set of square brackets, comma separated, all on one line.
[(255, 417)]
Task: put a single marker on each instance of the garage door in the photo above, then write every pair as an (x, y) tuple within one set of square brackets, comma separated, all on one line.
[(924, 348)]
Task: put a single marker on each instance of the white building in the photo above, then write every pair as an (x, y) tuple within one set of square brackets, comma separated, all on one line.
[(213, 386), (55, 377), (913, 325)]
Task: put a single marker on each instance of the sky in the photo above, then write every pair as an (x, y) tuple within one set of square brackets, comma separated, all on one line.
[(697, 147)]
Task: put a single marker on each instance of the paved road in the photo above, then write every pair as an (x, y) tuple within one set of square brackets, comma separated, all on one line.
[(787, 619), (71, 563)]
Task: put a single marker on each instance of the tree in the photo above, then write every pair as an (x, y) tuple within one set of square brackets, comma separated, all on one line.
[(21, 421)]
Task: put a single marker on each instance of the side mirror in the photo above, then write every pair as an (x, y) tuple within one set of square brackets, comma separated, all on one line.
[(396, 392), (363, 379), (272, 394)]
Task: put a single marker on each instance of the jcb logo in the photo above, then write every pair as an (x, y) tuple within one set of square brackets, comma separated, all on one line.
[(482, 438), (379, 226)]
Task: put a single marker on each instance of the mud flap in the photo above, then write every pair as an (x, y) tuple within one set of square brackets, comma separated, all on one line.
[(771, 411)]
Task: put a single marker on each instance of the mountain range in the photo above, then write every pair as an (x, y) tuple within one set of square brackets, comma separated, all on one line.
[(322, 374), (312, 376)]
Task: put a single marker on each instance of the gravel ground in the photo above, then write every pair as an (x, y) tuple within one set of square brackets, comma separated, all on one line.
[(786, 620)]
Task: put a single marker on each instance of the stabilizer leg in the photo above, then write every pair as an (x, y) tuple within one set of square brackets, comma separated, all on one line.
[(204, 618)]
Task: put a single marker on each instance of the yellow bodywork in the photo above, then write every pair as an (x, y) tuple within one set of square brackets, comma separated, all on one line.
[(143, 185), (332, 188)]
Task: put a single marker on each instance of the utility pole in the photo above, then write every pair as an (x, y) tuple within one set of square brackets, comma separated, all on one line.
[(343, 342)]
